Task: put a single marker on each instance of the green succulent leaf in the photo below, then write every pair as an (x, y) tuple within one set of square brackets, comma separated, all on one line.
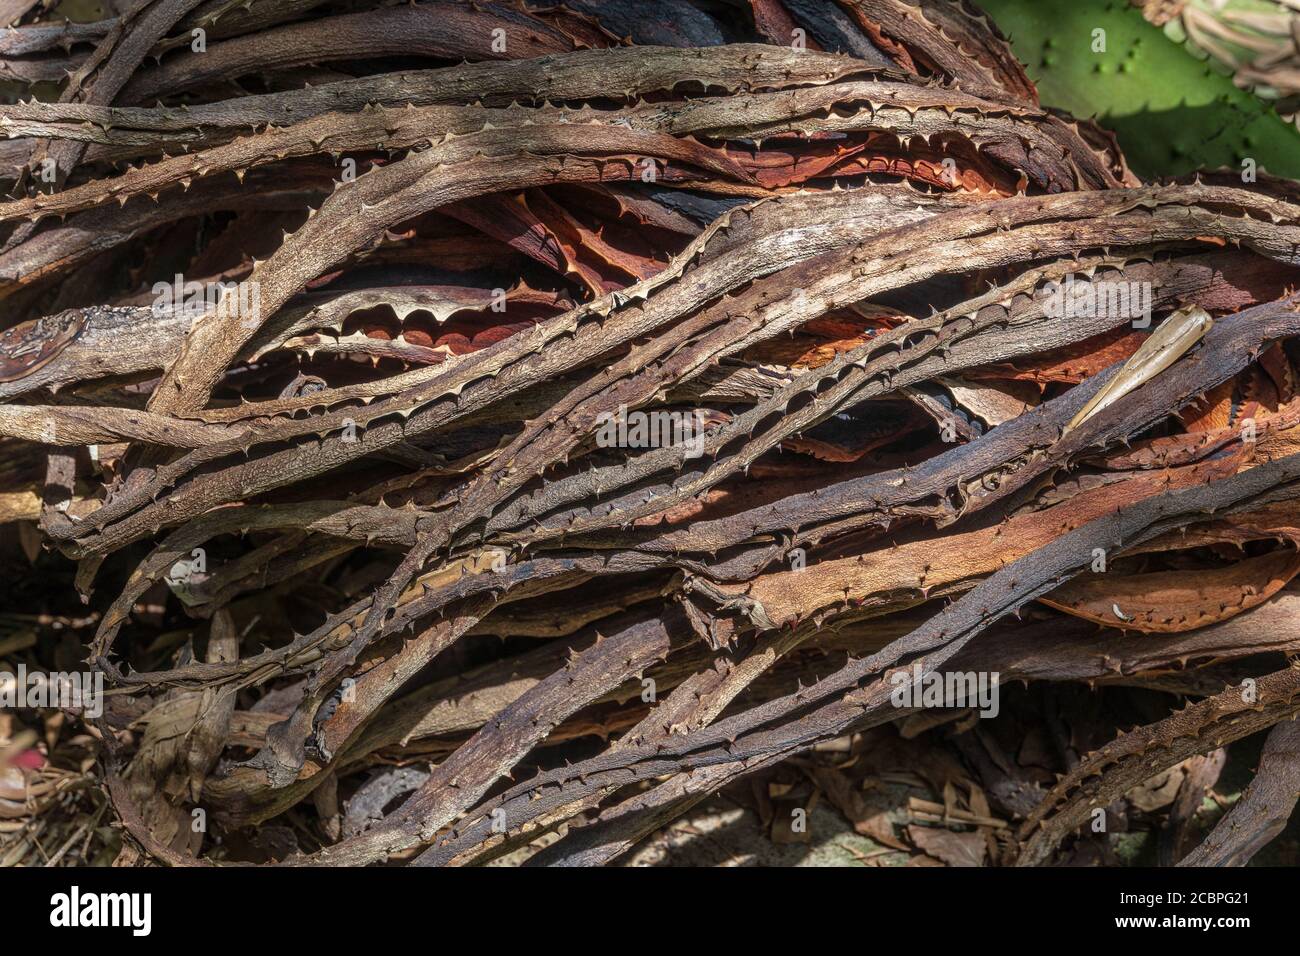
[(1173, 113)]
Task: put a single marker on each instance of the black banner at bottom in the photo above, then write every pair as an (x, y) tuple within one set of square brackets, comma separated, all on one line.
[(140, 907)]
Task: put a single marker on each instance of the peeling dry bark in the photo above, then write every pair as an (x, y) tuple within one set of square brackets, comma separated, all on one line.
[(1264, 808), (368, 462)]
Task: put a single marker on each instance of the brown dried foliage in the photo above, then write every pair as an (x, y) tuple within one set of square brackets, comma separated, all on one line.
[(380, 497)]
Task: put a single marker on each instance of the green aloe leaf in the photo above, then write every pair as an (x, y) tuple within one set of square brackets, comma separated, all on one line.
[(1173, 113)]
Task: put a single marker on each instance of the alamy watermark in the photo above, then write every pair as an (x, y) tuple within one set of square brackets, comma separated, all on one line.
[(661, 429), (1103, 298), (916, 688), (74, 909), (74, 690), (196, 299)]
